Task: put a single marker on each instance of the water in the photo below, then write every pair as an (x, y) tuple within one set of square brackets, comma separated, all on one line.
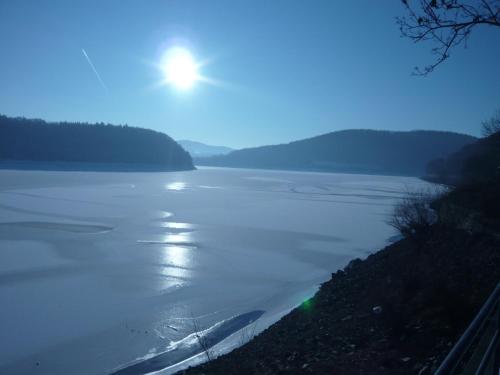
[(103, 270)]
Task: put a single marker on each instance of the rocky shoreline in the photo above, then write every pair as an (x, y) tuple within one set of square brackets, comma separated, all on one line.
[(397, 312)]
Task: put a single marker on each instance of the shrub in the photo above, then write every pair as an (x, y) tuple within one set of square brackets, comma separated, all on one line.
[(413, 216)]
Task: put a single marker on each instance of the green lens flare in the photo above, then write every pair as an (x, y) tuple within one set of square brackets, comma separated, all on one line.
[(307, 305)]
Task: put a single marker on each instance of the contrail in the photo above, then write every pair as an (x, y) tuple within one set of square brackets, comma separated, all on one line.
[(95, 70)]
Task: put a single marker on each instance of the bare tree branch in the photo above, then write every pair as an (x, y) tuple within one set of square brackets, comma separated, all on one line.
[(202, 340), (492, 125), (448, 23)]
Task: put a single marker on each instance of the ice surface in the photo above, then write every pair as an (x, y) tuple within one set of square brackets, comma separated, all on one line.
[(99, 270)]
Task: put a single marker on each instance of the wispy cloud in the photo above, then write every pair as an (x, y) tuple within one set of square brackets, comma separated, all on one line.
[(95, 71)]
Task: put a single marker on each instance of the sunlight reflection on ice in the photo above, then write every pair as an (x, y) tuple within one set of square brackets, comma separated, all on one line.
[(178, 238), (173, 225), (165, 214), (176, 262), (176, 256), (176, 186)]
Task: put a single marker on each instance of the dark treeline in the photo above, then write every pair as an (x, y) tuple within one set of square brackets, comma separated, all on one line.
[(476, 163), (33, 140), (474, 174), (351, 151)]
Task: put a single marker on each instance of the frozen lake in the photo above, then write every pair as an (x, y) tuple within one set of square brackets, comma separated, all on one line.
[(100, 270)]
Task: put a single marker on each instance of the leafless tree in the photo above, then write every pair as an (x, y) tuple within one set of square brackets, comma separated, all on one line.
[(492, 125), (413, 216), (201, 338), (447, 23), (247, 333)]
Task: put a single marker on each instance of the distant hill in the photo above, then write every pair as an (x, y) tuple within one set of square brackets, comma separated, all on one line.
[(198, 149), (351, 151), (23, 140)]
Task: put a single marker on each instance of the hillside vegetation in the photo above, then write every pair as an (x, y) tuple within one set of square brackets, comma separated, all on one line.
[(474, 163), (351, 151), (35, 140)]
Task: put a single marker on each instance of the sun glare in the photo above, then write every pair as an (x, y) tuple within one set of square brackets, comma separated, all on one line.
[(180, 68)]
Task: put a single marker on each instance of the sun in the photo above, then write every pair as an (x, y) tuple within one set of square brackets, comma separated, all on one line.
[(180, 68)]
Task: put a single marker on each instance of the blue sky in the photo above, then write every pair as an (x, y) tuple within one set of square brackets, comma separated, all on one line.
[(289, 69)]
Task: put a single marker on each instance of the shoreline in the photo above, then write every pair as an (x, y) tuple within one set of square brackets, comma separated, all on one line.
[(70, 166), (399, 311)]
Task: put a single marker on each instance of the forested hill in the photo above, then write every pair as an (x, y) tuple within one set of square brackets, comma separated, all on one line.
[(475, 163), (26, 140), (351, 151)]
